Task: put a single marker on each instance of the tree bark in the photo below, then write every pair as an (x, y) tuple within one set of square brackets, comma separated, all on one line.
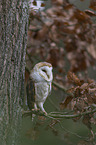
[(13, 37)]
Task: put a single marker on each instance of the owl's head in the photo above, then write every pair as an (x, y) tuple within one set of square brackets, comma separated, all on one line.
[(42, 72)]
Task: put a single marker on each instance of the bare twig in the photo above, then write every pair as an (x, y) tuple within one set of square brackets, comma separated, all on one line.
[(30, 112), (72, 116), (61, 87)]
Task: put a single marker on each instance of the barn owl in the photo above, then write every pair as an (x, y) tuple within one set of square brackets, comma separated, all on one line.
[(39, 85)]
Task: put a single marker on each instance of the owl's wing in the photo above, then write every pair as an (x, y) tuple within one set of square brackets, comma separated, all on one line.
[(30, 90), (50, 87)]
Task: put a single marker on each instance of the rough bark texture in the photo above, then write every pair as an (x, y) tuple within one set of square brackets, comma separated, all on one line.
[(13, 34)]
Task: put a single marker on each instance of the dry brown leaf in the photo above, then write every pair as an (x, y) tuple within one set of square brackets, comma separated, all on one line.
[(72, 77), (91, 100), (82, 17), (84, 86), (92, 50), (65, 103), (90, 13), (93, 4), (80, 104)]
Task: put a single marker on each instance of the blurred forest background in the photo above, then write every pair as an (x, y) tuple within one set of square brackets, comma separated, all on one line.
[(64, 34)]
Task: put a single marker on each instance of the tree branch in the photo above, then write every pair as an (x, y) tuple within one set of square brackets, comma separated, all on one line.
[(61, 87), (57, 115)]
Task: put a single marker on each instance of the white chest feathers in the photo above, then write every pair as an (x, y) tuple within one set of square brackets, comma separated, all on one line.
[(42, 89)]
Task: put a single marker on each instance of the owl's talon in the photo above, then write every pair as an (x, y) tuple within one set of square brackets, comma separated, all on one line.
[(45, 113)]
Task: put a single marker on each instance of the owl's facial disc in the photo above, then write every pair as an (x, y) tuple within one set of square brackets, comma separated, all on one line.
[(46, 73)]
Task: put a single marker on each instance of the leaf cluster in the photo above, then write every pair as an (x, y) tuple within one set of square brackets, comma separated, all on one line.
[(83, 98), (66, 36), (62, 31)]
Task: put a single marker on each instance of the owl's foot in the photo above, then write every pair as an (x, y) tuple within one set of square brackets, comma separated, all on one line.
[(40, 105), (36, 109), (44, 112), (39, 110)]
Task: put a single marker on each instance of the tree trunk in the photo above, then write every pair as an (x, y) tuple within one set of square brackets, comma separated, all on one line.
[(13, 34)]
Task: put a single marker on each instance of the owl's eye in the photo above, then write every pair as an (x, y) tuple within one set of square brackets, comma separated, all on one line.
[(44, 71)]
